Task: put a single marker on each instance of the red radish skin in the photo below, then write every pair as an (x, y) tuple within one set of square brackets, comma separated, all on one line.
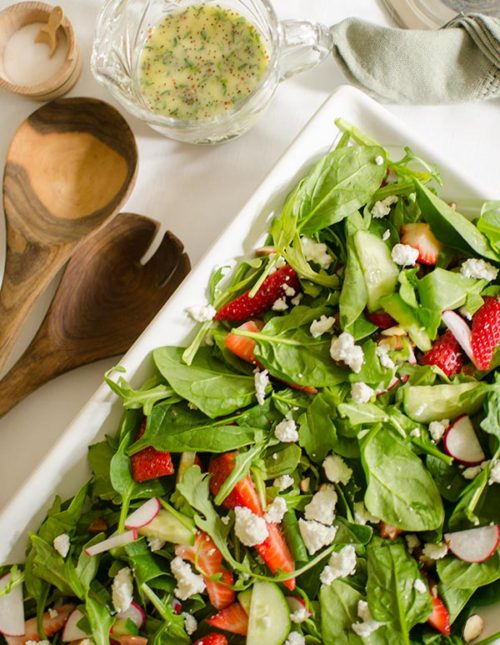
[(51, 625), (461, 443), (474, 545), (144, 515), (71, 631), (460, 330), (11, 609), (297, 605), (116, 540), (135, 613)]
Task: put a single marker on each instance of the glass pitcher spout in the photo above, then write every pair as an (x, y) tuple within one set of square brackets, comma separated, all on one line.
[(303, 45)]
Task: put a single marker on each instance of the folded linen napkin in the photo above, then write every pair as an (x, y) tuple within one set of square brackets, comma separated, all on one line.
[(458, 63)]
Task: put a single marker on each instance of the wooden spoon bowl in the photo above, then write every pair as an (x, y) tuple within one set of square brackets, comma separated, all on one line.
[(104, 300), (69, 168)]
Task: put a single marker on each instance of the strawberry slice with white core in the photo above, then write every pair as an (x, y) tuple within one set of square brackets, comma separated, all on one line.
[(474, 545), (11, 608), (71, 631), (420, 237), (115, 540), (460, 330), (461, 443), (135, 613), (144, 515)]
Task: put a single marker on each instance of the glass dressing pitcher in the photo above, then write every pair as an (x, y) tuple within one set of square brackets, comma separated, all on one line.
[(123, 27)]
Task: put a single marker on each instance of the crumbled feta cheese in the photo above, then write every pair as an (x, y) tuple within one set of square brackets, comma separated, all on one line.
[(299, 615), (296, 301), (438, 428), (250, 529), (188, 583), (382, 352), (225, 519), (379, 160), (415, 433), (361, 392), (122, 590), (295, 638), (44, 642), (190, 623), (341, 564), (386, 235), (316, 535), (472, 472), (84, 641), (343, 349), (316, 252), (276, 510), (261, 382), (479, 269), (61, 544), (362, 515), (494, 473), (336, 470), (286, 431), (419, 585), (289, 291), (155, 543), (435, 551), (368, 624), (280, 305), (383, 207), (322, 505), (404, 255), (201, 313), (53, 613), (283, 482), (412, 542), (321, 326)]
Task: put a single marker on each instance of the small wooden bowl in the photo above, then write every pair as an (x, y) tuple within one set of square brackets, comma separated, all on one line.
[(25, 13)]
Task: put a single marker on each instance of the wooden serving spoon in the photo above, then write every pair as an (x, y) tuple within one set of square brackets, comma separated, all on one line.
[(104, 300), (69, 168), (48, 33)]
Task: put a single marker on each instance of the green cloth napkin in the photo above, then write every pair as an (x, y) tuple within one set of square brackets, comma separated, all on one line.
[(459, 62)]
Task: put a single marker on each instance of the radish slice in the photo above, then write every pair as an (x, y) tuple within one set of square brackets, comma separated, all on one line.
[(116, 540), (11, 609), (144, 515), (298, 609), (460, 329), (135, 613), (460, 442), (71, 631), (474, 545)]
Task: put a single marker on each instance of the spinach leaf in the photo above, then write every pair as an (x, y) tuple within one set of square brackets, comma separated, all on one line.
[(489, 223), (144, 564), (441, 289), (448, 478), (290, 526), (392, 597), (467, 510), (400, 490), (454, 599), (339, 610), (449, 226), (282, 460), (491, 422), (354, 294), (207, 383), (100, 455), (362, 413), (465, 575), (318, 434), (349, 533)]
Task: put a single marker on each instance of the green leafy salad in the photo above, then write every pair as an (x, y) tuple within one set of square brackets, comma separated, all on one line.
[(322, 463)]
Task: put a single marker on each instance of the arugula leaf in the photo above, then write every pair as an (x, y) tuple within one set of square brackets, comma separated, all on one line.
[(152, 391), (207, 383), (48, 565), (100, 620), (400, 490), (242, 465), (465, 575)]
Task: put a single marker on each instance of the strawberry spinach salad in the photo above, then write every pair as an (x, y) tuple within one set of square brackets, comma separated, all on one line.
[(322, 463)]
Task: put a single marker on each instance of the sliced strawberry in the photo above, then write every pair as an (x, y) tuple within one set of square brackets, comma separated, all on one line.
[(381, 319), (276, 554), (421, 237), (389, 531), (243, 493), (244, 307), (51, 625), (440, 617), (485, 335), (446, 354), (150, 463), (232, 619), (212, 639), (243, 346), (208, 559)]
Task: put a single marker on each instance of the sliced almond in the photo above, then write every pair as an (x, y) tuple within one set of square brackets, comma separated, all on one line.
[(473, 628)]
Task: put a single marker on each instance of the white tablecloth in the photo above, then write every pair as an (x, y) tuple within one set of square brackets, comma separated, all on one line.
[(196, 191)]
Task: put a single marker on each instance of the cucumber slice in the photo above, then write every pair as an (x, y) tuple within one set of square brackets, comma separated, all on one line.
[(403, 314), (427, 403), (245, 598), (170, 528), (269, 619), (379, 270)]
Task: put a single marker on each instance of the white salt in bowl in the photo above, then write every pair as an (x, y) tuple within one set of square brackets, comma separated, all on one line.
[(55, 76)]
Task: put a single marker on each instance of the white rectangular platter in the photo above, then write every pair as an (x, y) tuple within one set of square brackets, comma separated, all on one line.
[(64, 468)]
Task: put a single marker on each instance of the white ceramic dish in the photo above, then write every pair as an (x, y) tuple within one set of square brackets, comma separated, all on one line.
[(64, 468)]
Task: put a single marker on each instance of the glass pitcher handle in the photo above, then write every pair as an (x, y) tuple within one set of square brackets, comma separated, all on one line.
[(302, 45)]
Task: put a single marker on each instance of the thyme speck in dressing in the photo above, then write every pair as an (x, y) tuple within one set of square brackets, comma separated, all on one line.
[(201, 62)]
